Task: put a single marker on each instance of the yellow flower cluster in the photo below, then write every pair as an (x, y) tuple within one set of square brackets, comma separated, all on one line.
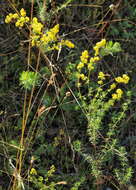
[(101, 77), (38, 37), (35, 40), (33, 171), (63, 43), (117, 95), (20, 19), (36, 26), (67, 43), (84, 57), (22, 12), (90, 66), (124, 79), (94, 59), (112, 86), (100, 82), (92, 62), (99, 45), (50, 35), (36, 31), (10, 17), (83, 77), (80, 66)]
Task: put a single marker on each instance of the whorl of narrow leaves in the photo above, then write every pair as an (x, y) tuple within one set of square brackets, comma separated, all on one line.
[(28, 79)]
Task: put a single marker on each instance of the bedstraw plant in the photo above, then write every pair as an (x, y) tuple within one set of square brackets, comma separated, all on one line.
[(98, 94), (45, 40)]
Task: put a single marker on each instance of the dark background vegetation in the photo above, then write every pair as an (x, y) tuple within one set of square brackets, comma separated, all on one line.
[(84, 22)]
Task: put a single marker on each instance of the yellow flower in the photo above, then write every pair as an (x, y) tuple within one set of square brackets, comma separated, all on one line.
[(23, 12), (51, 36), (98, 45), (126, 78), (80, 66), (101, 43), (35, 40), (119, 91), (35, 20), (117, 95), (96, 50), (84, 57), (15, 16), (101, 76), (119, 80), (21, 24), (8, 19), (44, 38), (57, 47), (90, 66), (112, 86), (96, 58), (55, 29), (27, 19), (10, 15), (83, 77), (17, 24), (37, 27), (69, 44), (33, 171), (114, 96), (22, 19), (100, 82), (33, 43)]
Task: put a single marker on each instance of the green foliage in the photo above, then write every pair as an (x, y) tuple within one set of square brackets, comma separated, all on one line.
[(124, 173), (126, 28), (77, 184), (39, 181), (111, 48), (29, 79), (77, 145)]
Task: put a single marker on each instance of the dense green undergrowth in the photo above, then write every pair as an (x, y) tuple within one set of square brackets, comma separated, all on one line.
[(67, 108)]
